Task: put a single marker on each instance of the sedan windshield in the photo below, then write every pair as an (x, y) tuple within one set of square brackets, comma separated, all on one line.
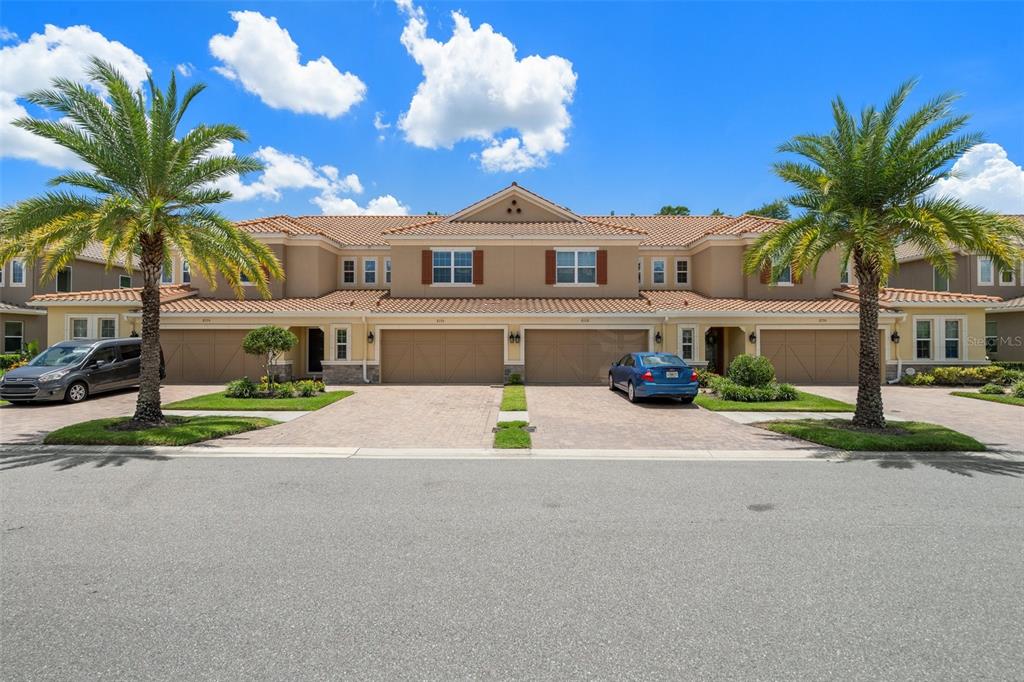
[(661, 360), (60, 356)]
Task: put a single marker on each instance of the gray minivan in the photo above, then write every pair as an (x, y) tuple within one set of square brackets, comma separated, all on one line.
[(73, 370)]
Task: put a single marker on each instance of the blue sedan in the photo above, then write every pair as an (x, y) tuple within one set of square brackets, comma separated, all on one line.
[(645, 375)]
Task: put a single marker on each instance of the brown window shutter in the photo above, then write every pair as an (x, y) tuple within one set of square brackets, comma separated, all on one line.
[(798, 278), (766, 273), (427, 270), (602, 266), (478, 267), (549, 266)]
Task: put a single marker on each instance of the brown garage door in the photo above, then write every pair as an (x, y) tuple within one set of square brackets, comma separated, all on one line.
[(448, 356), (207, 356), (577, 356), (813, 356)]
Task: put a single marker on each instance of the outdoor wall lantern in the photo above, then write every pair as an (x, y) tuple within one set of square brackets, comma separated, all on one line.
[(895, 337), (657, 337), (752, 337), (369, 337), (513, 337)]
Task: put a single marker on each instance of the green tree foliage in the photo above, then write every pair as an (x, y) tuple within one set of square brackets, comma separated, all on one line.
[(674, 210), (269, 342)]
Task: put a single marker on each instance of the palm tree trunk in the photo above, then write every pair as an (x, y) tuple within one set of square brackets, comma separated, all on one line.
[(869, 412), (147, 407)]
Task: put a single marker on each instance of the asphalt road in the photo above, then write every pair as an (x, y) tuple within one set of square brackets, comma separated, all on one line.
[(327, 569)]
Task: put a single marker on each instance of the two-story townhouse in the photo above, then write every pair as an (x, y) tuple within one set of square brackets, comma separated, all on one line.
[(515, 283), (20, 282), (974, 274)]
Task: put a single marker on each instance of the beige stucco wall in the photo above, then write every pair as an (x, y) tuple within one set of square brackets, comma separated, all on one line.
[(85, 275), (248, 292), (814, 285), (718, 271), (56, 319), (973, 336), (505, 211), (919, 274), (514, 271)]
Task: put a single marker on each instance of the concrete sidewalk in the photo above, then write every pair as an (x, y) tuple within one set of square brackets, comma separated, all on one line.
[(819, 454)]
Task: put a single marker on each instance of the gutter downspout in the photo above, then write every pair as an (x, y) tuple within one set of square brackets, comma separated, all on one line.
[(899, 360), (366, 379)]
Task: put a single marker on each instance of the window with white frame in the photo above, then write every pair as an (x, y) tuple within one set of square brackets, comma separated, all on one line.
[(991, 337), (17, 273), (688, 343), (387, 271), (576, 267), (167, 274), (63, 280), (453, 267), (186, 272), (341, 336), (108, 328), (78, 327), (125, 281), (244, 280), (369, 271), (939, 281), (682, 271), (1007, 277), (939, 338), (640, 271), (985, 271), (844, 274), (348, 271), (658, 271), (14, 336), (785, 276)]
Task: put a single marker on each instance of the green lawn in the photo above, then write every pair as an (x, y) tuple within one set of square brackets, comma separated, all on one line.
[(513, 399), (805, 402), (179, 431), (1005, 399), (897, 436), (219, 401), (512, 436)]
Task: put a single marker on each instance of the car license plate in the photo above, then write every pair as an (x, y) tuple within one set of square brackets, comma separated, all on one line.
[(671, 374)]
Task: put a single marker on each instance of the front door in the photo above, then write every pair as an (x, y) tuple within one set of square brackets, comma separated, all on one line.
[(315, 351), (713, 350)]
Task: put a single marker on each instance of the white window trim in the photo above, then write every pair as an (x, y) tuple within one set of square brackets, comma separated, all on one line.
[(167, 268), (24, 272), (452, 251), (2, 275), (935, 275), (938, 338), (334, 341), (675, 272), (991, 271), (355, 272), (376, 272), (186, 268), (387, 271), (576, 267), (21, 336), (71, 280), (664, 272), (122, 286), (92, 325), (640, 271), (245, 282), (1013, 278), (786, 283), (695, 344)]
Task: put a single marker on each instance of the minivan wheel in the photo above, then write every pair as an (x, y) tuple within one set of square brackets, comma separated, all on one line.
[(631, 392), (77, 392)]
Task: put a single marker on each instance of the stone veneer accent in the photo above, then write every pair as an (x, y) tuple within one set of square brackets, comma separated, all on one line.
[(350, 374), (282, 372), (514, 369)]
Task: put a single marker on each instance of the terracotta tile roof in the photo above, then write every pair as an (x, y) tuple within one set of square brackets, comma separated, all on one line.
[(660, 230), (170, 292), (95, 251), (908, 252), (380, 302), (14, 309), (1013, 304), (567, 228), (891, 296)]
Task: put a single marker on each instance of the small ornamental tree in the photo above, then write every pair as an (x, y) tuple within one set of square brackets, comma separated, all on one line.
[(270, 342)]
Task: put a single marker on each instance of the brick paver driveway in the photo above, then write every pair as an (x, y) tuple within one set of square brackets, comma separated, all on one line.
[(30, 423), (385, 416), (594, 417), (994, 424)]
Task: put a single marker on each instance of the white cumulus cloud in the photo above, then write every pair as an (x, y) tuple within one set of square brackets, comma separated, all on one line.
[(34, 63), (263, 57), (185, 69), (474, 88), (283, 171), (986, 177), (7, 34)]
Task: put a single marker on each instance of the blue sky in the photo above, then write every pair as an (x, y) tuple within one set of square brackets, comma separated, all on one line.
[(631, 106)]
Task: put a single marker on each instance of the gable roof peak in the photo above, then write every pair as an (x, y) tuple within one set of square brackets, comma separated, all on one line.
[(548, 210)]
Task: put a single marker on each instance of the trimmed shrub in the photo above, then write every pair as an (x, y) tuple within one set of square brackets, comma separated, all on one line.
[(992, 389), (308, 388), (705, 377), (515, 379), (242, 388), (726, 389), (1018, 390), (963, 376), (751, 370), (9, 360), (286, 390), (1011, 365)]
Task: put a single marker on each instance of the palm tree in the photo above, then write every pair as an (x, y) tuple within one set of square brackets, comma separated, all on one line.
[(146, 191), (864, 189)]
